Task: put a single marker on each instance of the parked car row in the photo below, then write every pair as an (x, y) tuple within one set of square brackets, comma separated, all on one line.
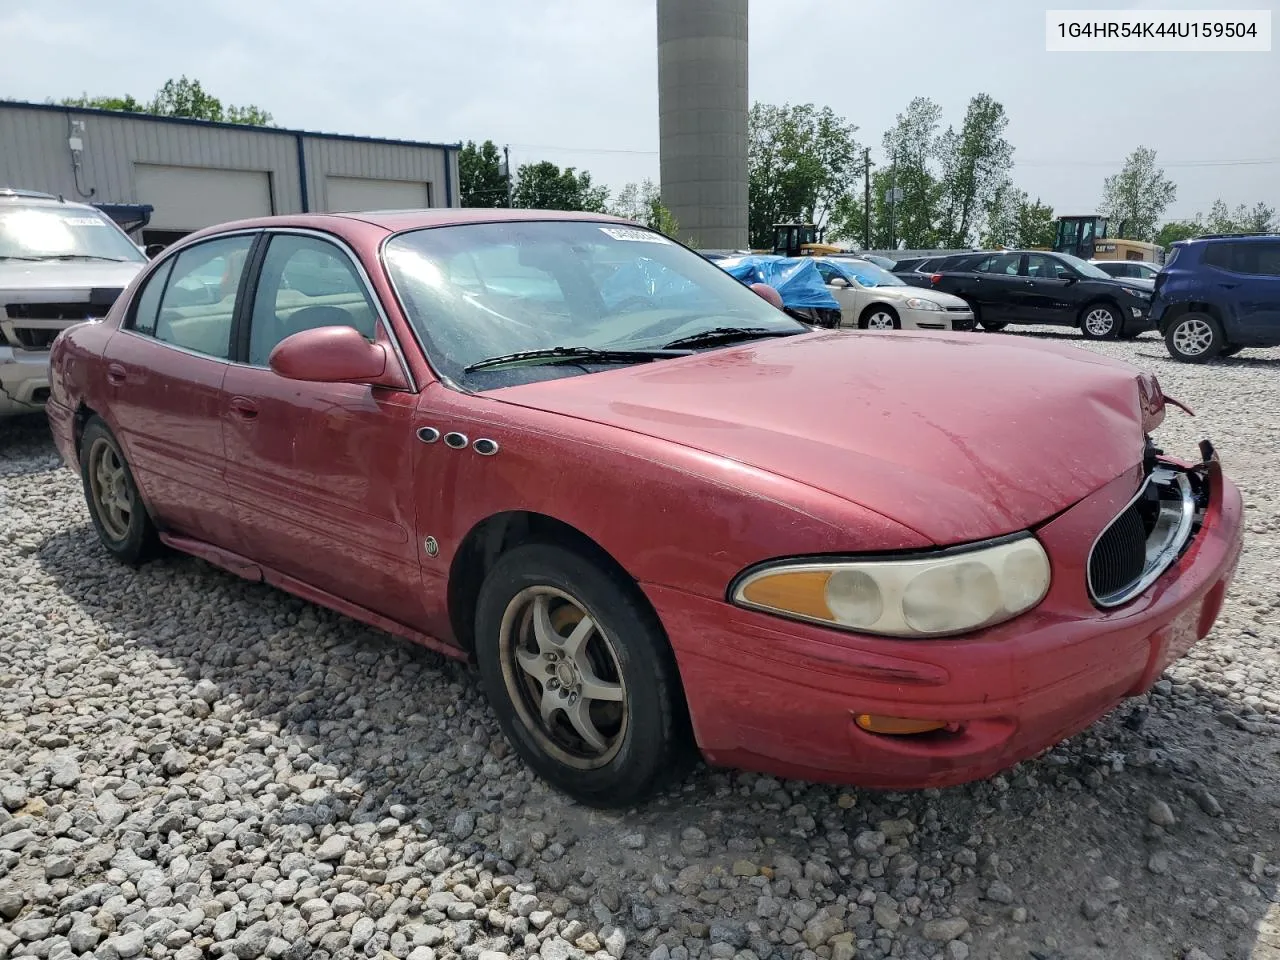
[(431, 420), (1214, 296)]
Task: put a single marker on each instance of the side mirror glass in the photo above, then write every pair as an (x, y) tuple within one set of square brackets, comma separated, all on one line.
[(333, 355)]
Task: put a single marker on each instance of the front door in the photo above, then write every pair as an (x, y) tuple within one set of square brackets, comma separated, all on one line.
[(321, 475), (994, 285), (165, 373), (846, 292), (1044, 294)]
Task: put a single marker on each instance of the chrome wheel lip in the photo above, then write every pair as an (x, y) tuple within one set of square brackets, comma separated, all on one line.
[(513, 635), (1193, 337), (108, 486), (1094, 321)]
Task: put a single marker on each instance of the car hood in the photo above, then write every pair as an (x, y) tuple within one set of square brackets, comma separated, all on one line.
[(20, 278), (921, 293), (959, 437)]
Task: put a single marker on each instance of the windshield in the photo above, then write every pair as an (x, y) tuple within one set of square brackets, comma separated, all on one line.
[(32, 232), (483, 290), (1084, 267), (869, 275)]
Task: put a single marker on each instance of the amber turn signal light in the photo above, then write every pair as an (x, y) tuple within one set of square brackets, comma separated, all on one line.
[(896, 726)]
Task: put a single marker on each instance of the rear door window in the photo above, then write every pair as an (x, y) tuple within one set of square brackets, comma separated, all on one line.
[(1001, 263)]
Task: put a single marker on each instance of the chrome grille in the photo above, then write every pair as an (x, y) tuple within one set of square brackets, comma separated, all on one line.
[(1145, 538)]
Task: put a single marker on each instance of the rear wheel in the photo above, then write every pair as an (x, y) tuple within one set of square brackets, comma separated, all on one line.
[(880, 317), (992, 325), (1194, 338), (1100, 321), (579, 674), (115, 506)]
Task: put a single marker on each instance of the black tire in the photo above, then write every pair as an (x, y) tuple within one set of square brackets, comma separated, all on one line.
[(115, 504), (627, 652), (879, 310), (994, 326), (1194, 338), (1230, 350), (1101, 321)]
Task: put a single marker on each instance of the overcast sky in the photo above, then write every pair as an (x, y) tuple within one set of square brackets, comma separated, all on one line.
[(575, 81)]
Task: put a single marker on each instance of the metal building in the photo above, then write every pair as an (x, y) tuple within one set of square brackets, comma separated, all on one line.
[(702, 119), (195, 173)]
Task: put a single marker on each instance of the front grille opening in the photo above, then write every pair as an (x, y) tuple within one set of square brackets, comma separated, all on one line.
[(35, 338), (1146, 538), (73, 312)]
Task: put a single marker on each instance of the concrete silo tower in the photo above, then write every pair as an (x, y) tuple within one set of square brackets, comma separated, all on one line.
[(702, 118)]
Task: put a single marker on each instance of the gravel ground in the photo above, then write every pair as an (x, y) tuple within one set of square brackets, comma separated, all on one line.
[(193, 766)]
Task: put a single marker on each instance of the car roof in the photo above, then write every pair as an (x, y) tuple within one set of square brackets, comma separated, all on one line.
[(36, 198), (1233, 237), (394, 221)]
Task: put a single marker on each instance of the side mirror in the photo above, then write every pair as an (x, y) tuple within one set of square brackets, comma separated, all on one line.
[(333, 355), (1069, 277), (152, 250), (766, 292)]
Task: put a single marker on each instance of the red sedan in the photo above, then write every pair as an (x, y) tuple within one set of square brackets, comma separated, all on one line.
[(647, 503)]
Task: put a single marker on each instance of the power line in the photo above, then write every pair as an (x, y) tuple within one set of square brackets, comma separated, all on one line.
[(1261, 161)]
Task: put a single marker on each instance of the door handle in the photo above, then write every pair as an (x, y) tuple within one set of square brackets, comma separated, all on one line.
[(244, 408), (116, 373)]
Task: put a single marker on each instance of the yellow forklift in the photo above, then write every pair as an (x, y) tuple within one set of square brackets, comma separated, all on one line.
[(1086, 237)]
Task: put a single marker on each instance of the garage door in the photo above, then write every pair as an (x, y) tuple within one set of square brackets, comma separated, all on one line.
[(360, 193), (188, 198)]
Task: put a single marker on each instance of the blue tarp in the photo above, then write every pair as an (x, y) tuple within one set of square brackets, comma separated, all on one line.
[(796, 279)]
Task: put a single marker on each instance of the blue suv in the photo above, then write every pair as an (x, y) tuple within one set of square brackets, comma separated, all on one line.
[(1219, 294)]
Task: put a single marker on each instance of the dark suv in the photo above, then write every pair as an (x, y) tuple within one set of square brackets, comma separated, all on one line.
[(1219, 294), (1033, 286)]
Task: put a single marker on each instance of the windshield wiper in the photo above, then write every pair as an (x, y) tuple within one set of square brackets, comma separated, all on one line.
[(575, 355), (80, 256), (5, 256), (721, 335)]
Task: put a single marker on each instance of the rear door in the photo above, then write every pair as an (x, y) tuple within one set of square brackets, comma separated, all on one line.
[(1245, 277), (165, 371), (990, 283), (321, 475)]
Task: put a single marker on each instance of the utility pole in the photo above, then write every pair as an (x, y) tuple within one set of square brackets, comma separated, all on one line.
[(866, 201), (506, 163), (893, 201)]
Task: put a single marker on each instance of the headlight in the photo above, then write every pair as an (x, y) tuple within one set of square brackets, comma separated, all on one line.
[(916, 303), (1140, 294), (922, 596)]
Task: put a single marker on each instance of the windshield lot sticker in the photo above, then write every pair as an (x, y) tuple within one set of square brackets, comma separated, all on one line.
[(638, 236), (84, 222)]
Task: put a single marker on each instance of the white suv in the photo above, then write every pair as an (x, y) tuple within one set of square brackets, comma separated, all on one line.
[(60, 263)]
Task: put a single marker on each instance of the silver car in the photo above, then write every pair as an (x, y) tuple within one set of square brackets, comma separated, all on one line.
[(874, 299), (60, 263)]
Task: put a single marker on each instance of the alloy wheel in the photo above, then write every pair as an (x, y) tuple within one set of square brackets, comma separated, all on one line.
[(1192, 337), (110, 489), (563, 676), (1099, 322), (880, 321)]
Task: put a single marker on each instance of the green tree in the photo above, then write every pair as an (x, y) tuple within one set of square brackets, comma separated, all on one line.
[(482, 182), (126, 103), (975, 165), (1013, 219), (178, 98), (801, 161), (1136, 197), (1176, 230), (544, 186), (910, 145), (642, 202)]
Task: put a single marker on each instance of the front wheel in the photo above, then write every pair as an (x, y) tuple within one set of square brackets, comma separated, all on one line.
[(580, 675), (880, 317), (992, 325), (115, 506), (1194, 338), (1100, 321)]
